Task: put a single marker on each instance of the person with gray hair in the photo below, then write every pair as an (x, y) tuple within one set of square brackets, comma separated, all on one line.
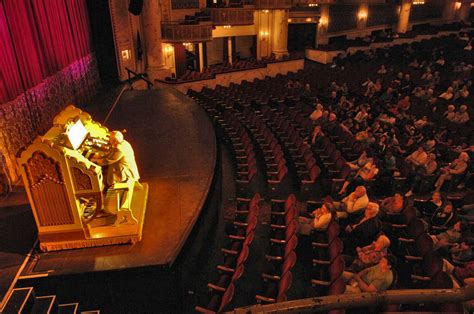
[(120, 160)]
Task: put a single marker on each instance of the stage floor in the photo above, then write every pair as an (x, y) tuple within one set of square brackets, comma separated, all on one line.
[(175, 148)]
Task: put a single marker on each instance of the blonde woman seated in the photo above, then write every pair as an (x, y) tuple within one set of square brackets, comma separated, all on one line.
[(366, 173), (319, 220)]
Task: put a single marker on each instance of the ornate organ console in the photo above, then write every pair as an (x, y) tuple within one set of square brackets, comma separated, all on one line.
[(65, 188)]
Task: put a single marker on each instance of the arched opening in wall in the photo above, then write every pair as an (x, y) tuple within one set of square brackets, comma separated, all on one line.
[(301, 36)]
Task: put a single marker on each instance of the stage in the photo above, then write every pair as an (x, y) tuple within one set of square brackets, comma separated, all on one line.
[(175, 148)]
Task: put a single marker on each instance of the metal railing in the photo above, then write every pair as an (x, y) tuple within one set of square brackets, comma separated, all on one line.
[(137, 77)]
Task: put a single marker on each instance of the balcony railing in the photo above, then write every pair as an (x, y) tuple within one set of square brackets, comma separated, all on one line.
[(272, 4), (231, 16), (179, 33)]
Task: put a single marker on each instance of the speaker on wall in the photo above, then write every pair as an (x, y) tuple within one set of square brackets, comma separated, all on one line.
[(135, 7)]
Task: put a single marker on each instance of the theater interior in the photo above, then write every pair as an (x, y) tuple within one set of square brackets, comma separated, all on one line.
[(239, 156)]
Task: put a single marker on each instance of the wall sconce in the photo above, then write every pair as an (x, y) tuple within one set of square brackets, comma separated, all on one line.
[(227, 26), (264, 35), (290, 20), (418, 2), (457, 5), (265, 11), (323, 21), (168, 50), (308, 19), (312, 5), (362, 15), (126, 55)]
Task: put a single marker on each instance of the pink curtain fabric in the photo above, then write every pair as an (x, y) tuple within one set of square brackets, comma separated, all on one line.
[(46, 36)]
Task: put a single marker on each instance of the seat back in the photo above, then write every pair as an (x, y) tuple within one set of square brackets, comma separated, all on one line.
[(424, 244), (285, 284), (291, 244), (239, 271), (335, 249), (227, 297), (288, 263), (336, 268)]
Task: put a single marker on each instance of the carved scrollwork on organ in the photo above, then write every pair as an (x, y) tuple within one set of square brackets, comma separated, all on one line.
[(81, 180)]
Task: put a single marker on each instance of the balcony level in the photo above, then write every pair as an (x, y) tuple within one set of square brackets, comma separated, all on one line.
[(179, 33)]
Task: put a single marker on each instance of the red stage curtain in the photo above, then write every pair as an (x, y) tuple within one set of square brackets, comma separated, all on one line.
[(10, 83), (47, 36)]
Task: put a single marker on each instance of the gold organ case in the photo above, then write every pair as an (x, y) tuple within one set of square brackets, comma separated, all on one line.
[(66, 189)]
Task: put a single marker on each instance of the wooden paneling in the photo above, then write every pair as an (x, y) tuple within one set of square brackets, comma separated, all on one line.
[(272, 4), (231, 16), (179, 33), (425, 12), (342, 17), (382, 14)]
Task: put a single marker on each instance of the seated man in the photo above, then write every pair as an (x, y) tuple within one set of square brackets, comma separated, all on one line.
[(121, 163), (444, 217), (353, 204), (392, 204), (458, 166), (373, 279), (371, 254), (450, 236), (365, 230)]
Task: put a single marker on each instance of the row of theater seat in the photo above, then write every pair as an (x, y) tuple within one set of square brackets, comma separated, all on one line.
[(304, 162), (281, 257), (235, 253)]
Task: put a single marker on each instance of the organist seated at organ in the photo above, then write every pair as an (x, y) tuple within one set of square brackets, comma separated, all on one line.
[(120, 160)]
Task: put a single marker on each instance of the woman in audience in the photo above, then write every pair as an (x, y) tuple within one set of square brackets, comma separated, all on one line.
[(319, 219), (366, 173)]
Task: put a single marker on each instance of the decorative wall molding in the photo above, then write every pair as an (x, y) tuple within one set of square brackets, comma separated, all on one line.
[(179, 33)]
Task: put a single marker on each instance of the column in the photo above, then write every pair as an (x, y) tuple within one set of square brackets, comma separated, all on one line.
[(201, 57), (229, 49), (404, 17), (464, 10), (152, 29), (280, 33), (322, 37), (448, 11)]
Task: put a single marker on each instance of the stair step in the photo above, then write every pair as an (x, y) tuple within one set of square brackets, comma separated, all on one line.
[(21, 300), (69, 308), (45, 305)]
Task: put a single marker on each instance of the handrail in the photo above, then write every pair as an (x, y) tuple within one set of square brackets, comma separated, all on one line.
[(140, 76), (366, 299)]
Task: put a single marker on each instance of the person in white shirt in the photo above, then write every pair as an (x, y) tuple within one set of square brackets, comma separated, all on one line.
[(354, 203)]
